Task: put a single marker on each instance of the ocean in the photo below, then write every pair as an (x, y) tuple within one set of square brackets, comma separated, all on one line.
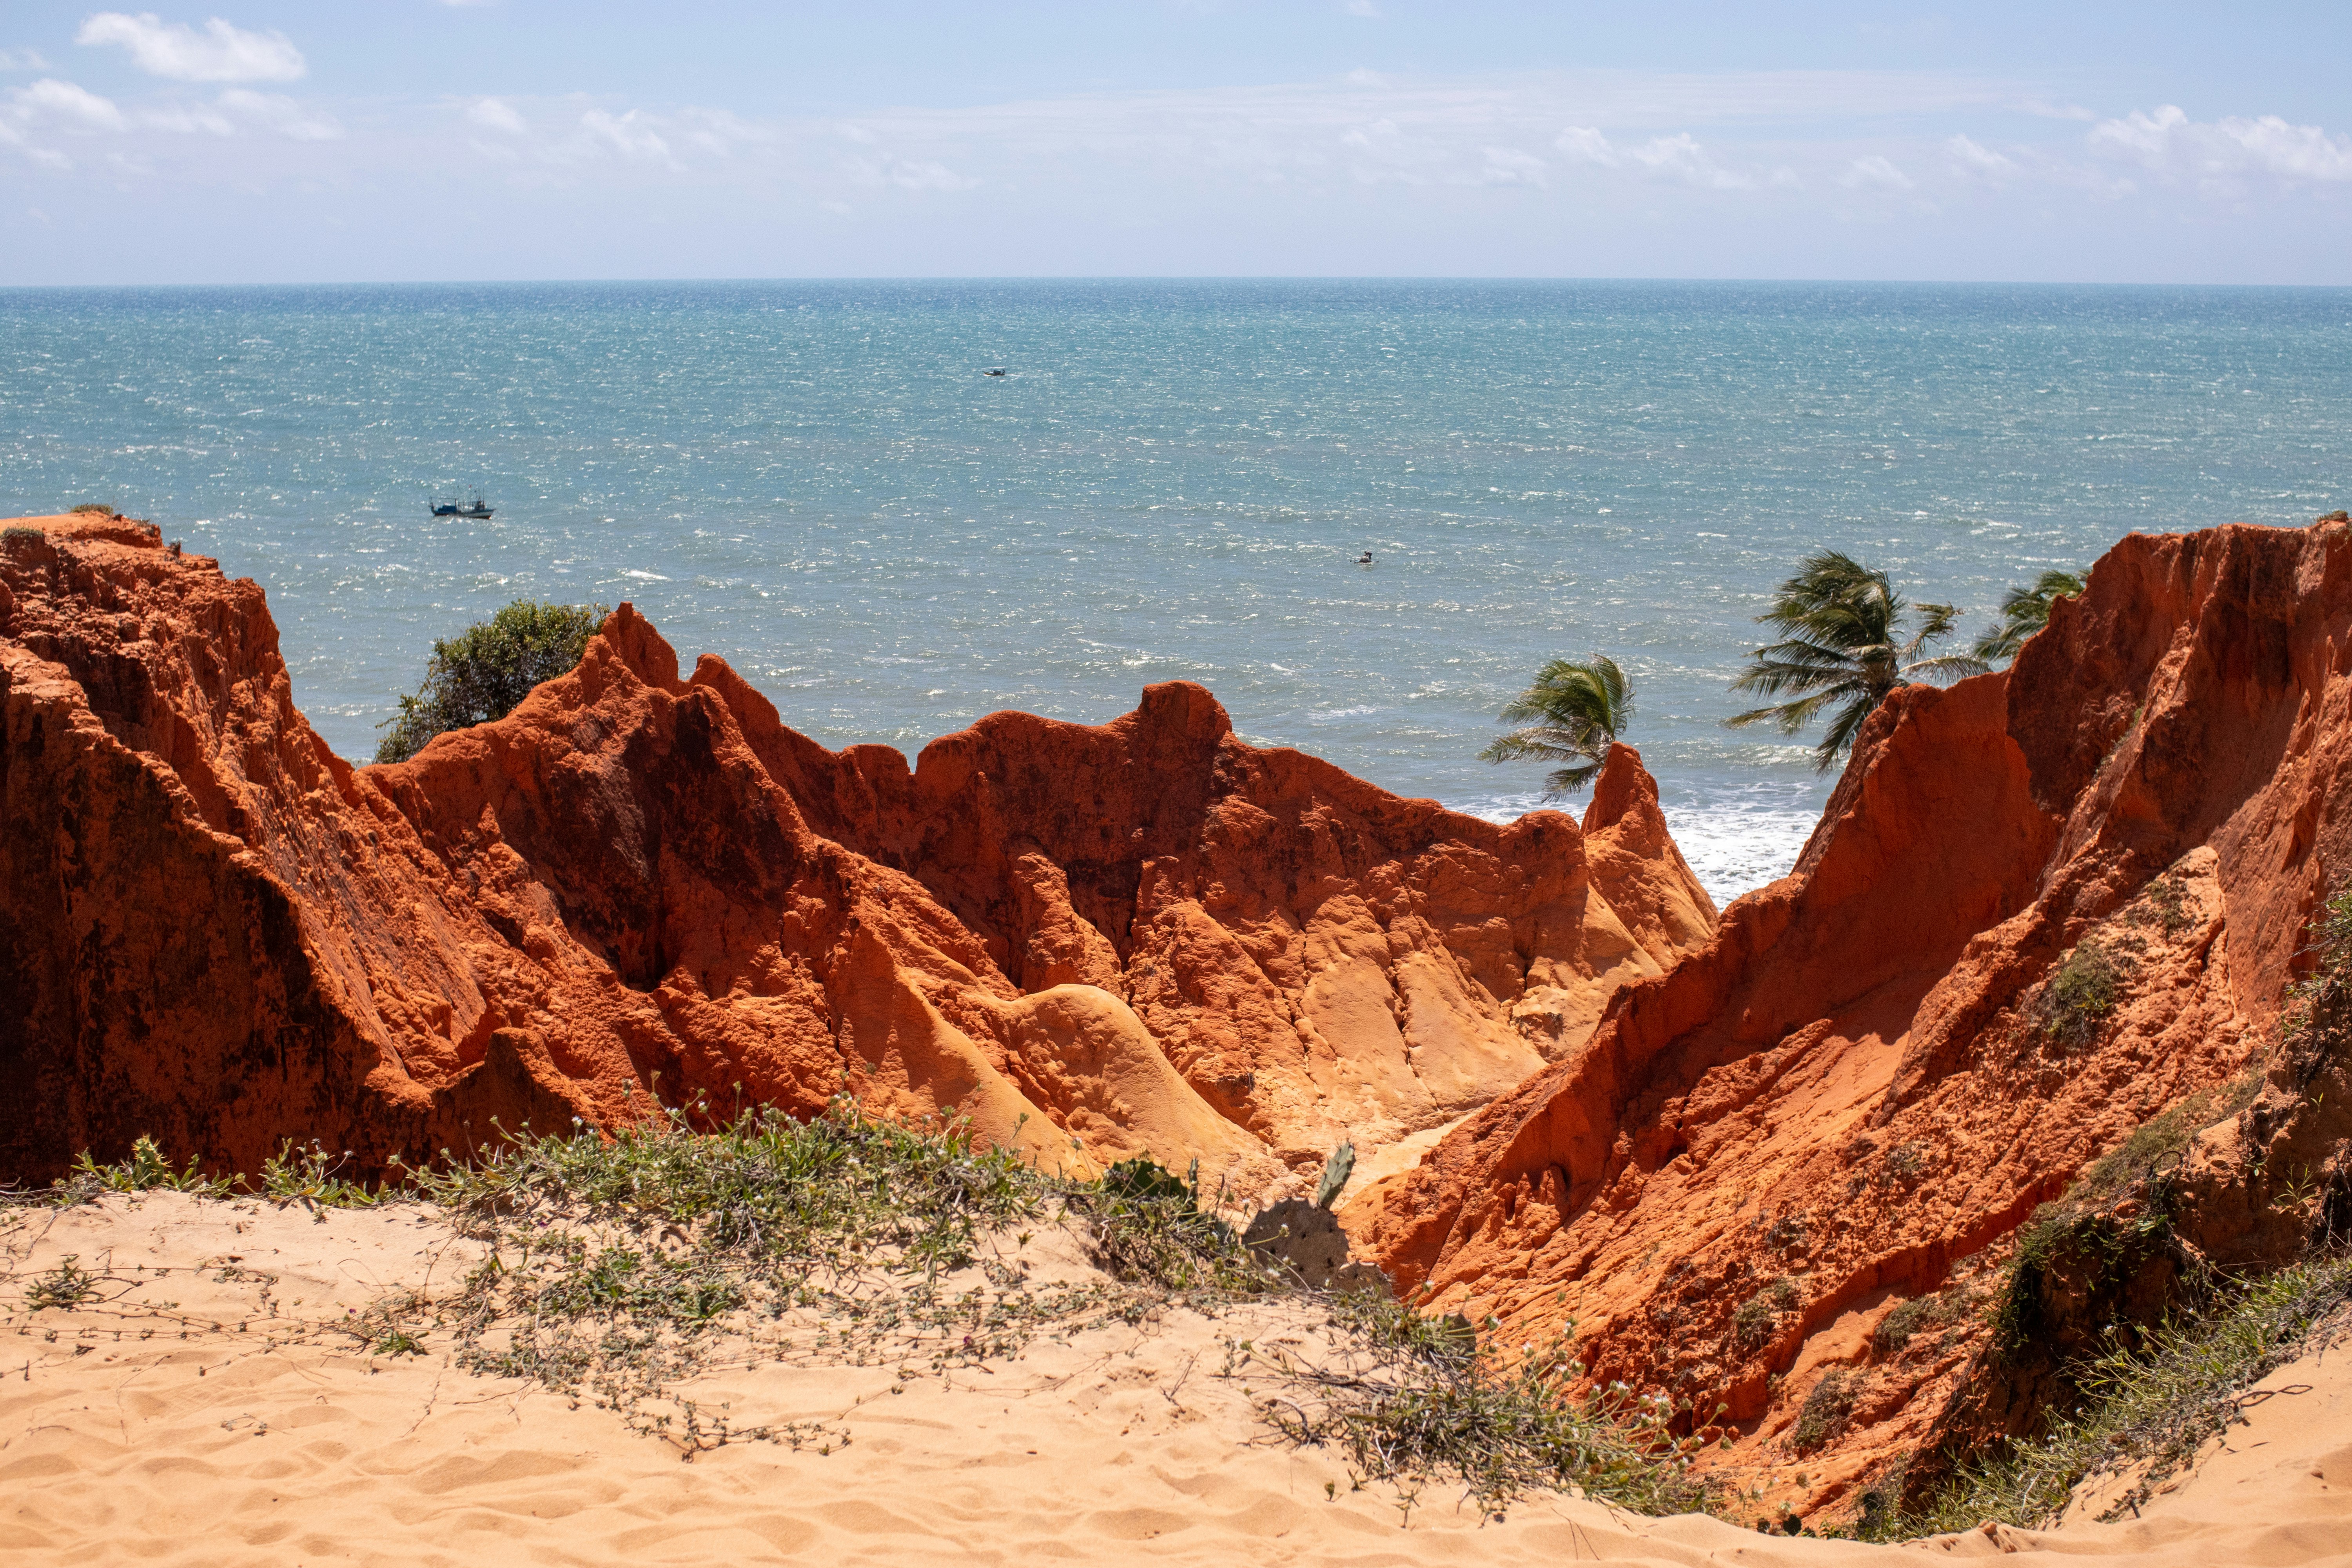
[(1175, 481)]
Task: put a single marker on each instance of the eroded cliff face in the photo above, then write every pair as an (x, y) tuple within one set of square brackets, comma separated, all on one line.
[(1093, 942), (1777, 1183)]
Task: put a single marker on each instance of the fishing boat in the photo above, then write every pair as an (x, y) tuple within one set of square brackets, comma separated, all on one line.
[(453, 506)]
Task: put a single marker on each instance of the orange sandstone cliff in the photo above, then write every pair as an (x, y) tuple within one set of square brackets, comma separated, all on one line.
[(1775, 1184), (1093, 941)]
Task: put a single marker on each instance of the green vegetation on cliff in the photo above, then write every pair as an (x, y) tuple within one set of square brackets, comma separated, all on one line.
[(485, 671)]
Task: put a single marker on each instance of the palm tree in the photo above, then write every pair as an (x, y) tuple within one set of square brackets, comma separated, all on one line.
[(1844, 624), (1572, 712), (2023, 612)]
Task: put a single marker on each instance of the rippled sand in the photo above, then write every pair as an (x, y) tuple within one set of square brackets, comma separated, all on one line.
[(209, 1408)]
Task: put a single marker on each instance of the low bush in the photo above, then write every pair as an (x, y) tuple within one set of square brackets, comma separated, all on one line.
[(485, 672), (1415, 1397), (2080, 994), (144, 1169), (1900, 1327), (1823, 1415), (1753, 1321), (2153, 1408), (616, 1267)]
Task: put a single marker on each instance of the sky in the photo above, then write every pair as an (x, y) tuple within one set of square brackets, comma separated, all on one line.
[(420, 140)]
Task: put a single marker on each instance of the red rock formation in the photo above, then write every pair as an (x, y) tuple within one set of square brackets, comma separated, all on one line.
[(1093, 941), (1856, 1093)]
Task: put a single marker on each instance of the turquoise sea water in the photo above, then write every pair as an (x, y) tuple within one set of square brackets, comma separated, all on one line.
[(1174, 480)]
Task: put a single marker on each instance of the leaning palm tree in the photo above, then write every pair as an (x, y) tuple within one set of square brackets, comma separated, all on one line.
[(1571, 713), (1843, 649), (2023, 612)]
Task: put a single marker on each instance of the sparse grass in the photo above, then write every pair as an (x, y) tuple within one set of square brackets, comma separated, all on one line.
[(1412, 1396), (1907, 1163), (1149, 1227), (2080, 994), (2092, 1250), (2158, 1145), (1754, 1318), (2163, 903), (1900, 1327), (619, 1268), (396, 1342), (67, 1286), (2153, 1409), (145, 1170), (309, 1174), (618, 1263), (90, 508), (2317, 1025), (1823, 1415)]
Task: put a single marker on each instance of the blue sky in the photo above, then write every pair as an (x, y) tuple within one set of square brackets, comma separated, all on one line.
[(407, 140)]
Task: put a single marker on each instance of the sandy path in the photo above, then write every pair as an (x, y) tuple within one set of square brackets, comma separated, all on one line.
[(273, 1438)]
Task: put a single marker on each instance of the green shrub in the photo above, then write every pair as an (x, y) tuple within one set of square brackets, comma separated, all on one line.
[(146, 1169), (1915, 1317), (1417, 1397), (66, 1287), (2154, 1407), (309, 1174), (1826, 1410), (1753, 1323), (2081, 994), (485, 671)]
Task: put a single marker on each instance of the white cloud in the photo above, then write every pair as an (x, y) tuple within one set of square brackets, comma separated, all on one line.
[(497, 115), (632, 135), (910, 174), (2292, 152), (62, 103), (1875, 173), (1365, 78), (2148, 136), (275, 112), (1971, 157), (2221, 155), (1382, 152), (718, 133), (22, 60), (186, 119), (219, 53), (1509, 166), (1361, 8), (1678, 157)]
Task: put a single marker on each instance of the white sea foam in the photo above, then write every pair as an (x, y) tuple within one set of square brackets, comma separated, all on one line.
[(1736, 839)]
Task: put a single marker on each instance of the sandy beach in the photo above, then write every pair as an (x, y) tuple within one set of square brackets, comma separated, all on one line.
[(214, 1404)]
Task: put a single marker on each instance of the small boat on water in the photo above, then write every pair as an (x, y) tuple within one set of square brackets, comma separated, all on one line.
[(453, 506)]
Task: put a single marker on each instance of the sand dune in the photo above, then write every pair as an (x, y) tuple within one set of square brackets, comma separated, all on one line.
[(211, 1406)]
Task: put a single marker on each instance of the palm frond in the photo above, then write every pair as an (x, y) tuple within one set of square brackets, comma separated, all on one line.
[(1842, 730), (1948, 666), (2023, 612), (1792, 717), (1846, 643), (1541, 742), (1572, 712), (1768, 676)]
